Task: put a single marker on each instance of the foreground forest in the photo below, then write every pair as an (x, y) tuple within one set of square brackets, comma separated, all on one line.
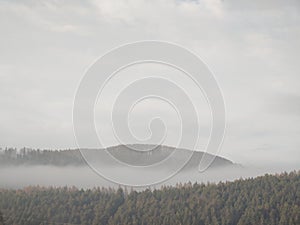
[(268, 200)]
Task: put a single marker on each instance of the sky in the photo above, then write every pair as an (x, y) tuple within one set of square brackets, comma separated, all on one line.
[(252, 47)]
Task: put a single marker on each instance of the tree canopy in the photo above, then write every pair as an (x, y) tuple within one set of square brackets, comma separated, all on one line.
[(266, 200)]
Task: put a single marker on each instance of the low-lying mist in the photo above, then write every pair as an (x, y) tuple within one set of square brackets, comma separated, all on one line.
[(85, 177)]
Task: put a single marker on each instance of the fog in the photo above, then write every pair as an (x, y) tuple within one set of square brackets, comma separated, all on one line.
[(251, 47), (85, 177)]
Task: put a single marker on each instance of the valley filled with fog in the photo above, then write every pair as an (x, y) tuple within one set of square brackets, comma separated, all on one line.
[(68, 168)]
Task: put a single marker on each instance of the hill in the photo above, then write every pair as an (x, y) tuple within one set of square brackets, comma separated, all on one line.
[(132, 154)]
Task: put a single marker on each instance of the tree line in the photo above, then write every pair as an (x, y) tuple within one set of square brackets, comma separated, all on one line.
[(27, 156), (266, 200)]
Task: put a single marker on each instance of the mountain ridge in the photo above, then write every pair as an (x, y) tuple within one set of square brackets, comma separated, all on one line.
[(134, 154)]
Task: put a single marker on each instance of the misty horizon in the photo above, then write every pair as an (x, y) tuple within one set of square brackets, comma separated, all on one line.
[(40, 72), (136, 112)]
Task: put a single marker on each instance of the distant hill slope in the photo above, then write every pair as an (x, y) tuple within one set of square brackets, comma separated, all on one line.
[(132, 154), (140, 155), (267, 200), (12, 157)]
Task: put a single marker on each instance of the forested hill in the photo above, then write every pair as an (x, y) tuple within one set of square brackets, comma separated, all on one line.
[(267, 200), (26, 156), (128, 154)]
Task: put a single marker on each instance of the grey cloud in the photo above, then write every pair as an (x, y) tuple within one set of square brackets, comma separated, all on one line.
[(252, 46), (286, 104)]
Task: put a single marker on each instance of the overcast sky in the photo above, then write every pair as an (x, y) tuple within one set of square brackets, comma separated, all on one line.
[(252, 47)]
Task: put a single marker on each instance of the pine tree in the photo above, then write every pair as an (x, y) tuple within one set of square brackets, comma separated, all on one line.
[(1, 219)]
